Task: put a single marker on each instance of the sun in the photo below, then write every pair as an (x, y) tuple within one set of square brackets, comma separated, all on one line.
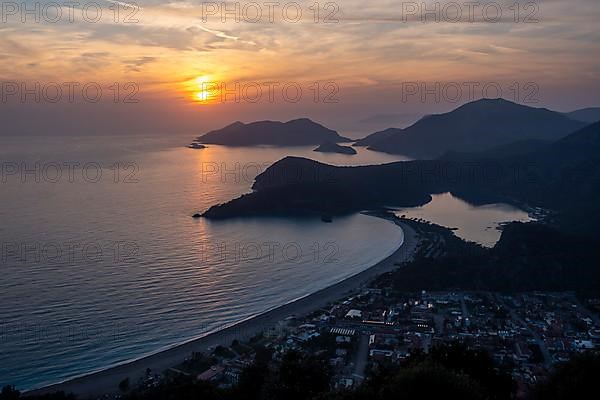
[(204, 89)]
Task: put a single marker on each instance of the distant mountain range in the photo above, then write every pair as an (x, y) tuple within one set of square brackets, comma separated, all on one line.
[(482, 125), (473, 127), (298, 132), (563, 175), (585, 115)]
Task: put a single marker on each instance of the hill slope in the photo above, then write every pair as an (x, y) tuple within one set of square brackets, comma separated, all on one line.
[(377, 136), (473, 127), (585, 115)]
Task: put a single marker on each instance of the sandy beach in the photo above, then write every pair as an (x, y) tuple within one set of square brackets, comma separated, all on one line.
[(106, 381)]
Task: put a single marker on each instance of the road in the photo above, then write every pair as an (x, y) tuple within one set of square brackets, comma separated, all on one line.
[(361, 358)]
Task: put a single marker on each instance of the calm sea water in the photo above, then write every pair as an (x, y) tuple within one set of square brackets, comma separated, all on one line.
[(102, 263), (474, 223)]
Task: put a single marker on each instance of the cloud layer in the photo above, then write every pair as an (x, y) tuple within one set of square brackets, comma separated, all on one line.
[(369, 49)]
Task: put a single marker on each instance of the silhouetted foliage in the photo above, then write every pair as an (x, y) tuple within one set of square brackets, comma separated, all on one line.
[(124, 385), (10, 393), (449, 371), (528, 257), (299, 377), (180, 388), (576, 379), (477, 365)]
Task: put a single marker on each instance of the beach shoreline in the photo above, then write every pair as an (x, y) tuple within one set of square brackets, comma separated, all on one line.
[(106, 381)]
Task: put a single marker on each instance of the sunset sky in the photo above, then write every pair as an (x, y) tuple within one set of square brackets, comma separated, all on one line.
[(362, 55)]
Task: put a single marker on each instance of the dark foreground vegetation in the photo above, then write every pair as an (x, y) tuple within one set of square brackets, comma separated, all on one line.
[(449, 371), (528, 257)]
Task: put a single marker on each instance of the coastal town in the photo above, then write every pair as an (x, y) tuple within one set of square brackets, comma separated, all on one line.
[(370, 325), (526, 334), (375, 326)]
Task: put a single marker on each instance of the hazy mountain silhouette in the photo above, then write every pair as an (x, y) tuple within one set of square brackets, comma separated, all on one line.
[(381, 121), (473, 127), (506, 150), (585, 115), (298, 132), (373, 138)]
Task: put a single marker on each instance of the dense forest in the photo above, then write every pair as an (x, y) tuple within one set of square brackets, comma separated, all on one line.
[(528, 257)]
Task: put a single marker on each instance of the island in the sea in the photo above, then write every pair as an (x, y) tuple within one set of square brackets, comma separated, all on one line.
[(298, 132), (329, 147)]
